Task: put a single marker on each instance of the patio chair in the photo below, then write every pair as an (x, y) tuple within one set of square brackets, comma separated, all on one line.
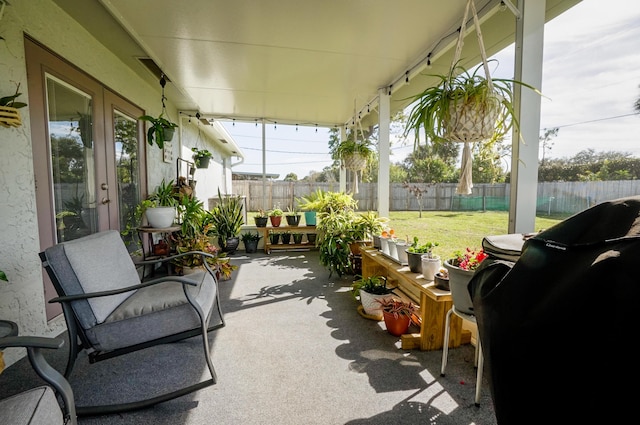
[(110, 311), (39, 405)]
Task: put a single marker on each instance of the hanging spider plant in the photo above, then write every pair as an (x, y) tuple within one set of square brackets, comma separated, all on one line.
[(464, 107)]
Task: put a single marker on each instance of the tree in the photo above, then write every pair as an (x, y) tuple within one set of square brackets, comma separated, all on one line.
[(547, 143), (291, 177)]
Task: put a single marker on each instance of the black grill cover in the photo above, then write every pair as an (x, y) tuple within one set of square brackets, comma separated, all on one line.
[(559, 328)]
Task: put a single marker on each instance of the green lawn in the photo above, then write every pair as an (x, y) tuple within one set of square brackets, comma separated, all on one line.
[(454, 230)]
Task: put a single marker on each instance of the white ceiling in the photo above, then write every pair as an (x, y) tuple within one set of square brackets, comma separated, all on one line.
[(292, 61)]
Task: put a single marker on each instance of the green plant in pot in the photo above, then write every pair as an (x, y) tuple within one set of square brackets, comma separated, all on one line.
[(160, 206), (275, 216), (160, 131), (310, 204), (370, 289), (250, 240), (227, 219), (334, 232), (416, 250), (467, 107), (261, 218), (355, 154), (292, 216), (201, 157)]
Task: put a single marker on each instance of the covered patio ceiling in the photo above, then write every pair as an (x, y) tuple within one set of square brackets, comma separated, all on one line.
[(293, 61)]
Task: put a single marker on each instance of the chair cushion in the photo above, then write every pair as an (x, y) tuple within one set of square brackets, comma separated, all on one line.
[(153, 312), (101, 262), (37, 406)]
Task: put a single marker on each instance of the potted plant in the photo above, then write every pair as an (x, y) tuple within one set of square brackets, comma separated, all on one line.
[(220, 262), (354, 154), (274, 237), (461, 268), (334, 238), (261, 218), (275, 216), (3, 276), (415, 251), (286, 237), (9, 114), (227, 220), (441, 279), (160, 131), (160, 206), (398, 315), (201, 157), (297, 238), (310, 204), (293, 217), (464, 107), (371, 289), (250, 241)]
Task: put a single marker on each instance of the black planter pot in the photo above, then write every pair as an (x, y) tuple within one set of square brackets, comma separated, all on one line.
[(311, 237), (293, 220), (229, 245), (297, 238), (202, 162), (286, 238), (251, 246), (261, 221), (274, 238), (415, 261)]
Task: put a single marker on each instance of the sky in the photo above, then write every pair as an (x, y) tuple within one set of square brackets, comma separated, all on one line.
[(590, 81)]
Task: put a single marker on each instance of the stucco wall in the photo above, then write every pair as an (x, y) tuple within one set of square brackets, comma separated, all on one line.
[(21, 300)]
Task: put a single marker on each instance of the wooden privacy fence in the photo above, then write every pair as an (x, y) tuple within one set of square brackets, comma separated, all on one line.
[(553, 197)]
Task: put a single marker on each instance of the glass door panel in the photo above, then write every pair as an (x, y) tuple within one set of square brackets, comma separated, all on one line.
[(127, 176), (70, 128)]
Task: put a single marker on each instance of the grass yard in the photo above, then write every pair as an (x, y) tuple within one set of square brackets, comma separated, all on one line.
[(454, 230)]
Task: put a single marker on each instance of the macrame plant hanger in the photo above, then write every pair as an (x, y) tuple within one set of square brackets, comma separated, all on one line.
[(466, 184), (355, 163)]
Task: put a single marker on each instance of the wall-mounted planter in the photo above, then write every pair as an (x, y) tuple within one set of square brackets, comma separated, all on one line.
[(9, 117)]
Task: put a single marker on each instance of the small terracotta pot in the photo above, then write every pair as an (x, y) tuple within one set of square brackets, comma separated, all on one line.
[(275, 220), (396, 327)]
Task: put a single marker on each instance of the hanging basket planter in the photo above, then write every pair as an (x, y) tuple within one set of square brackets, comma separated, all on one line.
[(10, 117), (472, 121), (355, 162)]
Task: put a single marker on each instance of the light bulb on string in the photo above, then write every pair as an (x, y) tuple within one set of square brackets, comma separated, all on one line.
[(406, 77)]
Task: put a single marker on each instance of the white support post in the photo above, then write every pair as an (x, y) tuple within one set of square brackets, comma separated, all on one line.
[(343, 171), (524, 162), (384, 151)]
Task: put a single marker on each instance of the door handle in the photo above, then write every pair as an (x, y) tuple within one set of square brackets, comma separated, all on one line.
[(105, 201)]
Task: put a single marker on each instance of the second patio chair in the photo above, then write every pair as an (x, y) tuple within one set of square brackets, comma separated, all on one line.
[(109, 311)]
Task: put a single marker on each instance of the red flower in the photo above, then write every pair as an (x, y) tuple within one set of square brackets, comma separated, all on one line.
[(470, 259)]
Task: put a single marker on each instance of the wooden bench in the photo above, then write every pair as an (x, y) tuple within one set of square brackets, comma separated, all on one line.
[(434, 303)]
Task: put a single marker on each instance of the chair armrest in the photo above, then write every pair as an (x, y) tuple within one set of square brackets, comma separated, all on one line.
[(34, 344), (177, 279), (31, 341)]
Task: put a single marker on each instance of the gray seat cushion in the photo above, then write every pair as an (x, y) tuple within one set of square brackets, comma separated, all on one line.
[(37, 406), (154, 312)]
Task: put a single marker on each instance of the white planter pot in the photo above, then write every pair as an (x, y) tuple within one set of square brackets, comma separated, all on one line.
[(370, 304), (393, 250), (160, 217), (384, 245), (401, 248), (430, 266)]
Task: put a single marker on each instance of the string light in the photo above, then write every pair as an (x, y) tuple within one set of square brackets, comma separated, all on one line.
[(390, 87), (406, 77)]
